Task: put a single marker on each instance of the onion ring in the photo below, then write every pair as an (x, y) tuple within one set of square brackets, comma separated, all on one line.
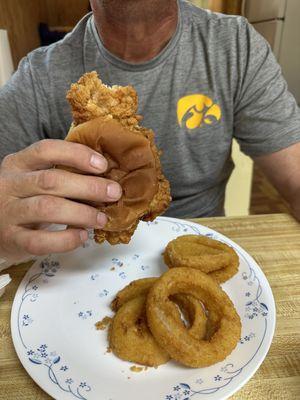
[(194, 313), (129, 335), (212, 257), (173, 337), (192, 310), (134, 289), (130, 338)]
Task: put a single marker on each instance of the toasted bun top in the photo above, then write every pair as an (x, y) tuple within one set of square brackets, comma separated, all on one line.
[(131, 162)]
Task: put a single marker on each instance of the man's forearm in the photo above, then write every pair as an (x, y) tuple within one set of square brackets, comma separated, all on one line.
[(283, 170), (294, 202)]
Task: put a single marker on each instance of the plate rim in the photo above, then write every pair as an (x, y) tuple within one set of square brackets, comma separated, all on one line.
[(272, 323)]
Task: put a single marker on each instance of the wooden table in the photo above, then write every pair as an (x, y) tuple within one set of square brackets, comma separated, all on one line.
[(274, 241)]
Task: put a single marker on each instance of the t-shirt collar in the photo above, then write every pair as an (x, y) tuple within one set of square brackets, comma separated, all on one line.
[(163, 55)]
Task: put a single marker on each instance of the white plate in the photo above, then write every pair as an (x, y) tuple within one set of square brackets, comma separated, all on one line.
[(62, 296)]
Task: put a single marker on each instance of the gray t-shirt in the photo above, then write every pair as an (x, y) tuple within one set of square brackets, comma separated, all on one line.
[(215, 80)]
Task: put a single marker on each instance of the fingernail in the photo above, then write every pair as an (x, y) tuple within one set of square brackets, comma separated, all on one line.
[(101, 220), (98, 162), (84, 235), (114, 191)]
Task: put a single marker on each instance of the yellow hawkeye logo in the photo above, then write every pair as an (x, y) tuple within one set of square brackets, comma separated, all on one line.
[(195, 110)]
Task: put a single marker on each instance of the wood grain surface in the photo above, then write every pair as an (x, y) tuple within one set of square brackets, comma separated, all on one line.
[(225, 6), (62, 12), (274, 241), (21, 19)]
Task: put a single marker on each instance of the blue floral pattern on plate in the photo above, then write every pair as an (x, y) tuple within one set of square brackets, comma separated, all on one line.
[(102, 282), (41, 356)]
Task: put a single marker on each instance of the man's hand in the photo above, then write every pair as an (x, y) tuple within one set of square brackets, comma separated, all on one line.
[(33, 193)]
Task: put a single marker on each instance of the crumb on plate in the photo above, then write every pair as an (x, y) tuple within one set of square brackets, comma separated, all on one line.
[(101, 325)]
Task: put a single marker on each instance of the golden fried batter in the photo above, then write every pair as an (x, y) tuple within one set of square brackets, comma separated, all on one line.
[(135, 288), (173, 337), (90, 99), (191, 308), (130, 338), (105, 119), (212, 257), (103, 324)]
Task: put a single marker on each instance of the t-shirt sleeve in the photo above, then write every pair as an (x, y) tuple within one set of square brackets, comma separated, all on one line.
[(266, 115), (23, 111)]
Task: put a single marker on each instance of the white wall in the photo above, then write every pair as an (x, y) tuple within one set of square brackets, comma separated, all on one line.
[(289, 56), (6, 64)]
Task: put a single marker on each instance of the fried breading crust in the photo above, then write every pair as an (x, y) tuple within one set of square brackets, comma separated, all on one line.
[(173, 337), (129, 336), (91, 99), (210, 256)]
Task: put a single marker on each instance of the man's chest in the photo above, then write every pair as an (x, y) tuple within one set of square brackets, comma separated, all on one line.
[(187, 106)]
